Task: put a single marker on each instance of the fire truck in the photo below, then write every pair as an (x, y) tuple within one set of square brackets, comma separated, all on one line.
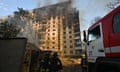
[(103, 43)]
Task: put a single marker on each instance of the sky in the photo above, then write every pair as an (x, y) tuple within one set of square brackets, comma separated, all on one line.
[(88, 9)]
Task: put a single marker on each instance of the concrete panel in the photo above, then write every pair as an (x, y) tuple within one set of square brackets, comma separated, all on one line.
[(11, 54)]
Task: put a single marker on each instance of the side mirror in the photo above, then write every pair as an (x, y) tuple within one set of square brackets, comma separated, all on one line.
[(88, 43), (84, 36)]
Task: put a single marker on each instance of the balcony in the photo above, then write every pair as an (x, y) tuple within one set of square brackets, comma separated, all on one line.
[(77, 37)]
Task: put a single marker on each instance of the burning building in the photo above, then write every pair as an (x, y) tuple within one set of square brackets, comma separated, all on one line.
[(58, 29)]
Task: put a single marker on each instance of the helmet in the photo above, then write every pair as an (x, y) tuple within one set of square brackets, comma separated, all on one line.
[(83, 55), (55, 54)]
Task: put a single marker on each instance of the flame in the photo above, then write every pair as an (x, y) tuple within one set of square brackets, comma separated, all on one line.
[(63, 17)]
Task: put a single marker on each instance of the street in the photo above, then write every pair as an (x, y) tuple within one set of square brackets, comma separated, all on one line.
[(71, 66)]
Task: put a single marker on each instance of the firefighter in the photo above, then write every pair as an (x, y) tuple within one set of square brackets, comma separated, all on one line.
[(84, 63), (45, 63), (55, 63)]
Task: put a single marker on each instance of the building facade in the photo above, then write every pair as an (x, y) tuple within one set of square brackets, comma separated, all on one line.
[(59, 29)]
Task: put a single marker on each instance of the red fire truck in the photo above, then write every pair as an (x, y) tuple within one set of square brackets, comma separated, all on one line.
[(103, 43)]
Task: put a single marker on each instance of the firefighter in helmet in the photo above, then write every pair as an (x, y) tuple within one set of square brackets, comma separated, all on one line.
[(84, 63)]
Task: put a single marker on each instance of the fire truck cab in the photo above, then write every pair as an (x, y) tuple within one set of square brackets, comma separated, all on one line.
[(103, 44)]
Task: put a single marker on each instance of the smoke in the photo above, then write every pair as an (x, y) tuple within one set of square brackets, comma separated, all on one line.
[(88, 9), (41, 3), (48, 2), (63, 0)]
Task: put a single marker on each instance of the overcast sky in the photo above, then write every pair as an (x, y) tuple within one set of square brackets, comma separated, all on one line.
[(88, 9)]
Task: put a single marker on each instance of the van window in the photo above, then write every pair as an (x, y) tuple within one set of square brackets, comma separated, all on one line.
[(94, 33), (116, 23)]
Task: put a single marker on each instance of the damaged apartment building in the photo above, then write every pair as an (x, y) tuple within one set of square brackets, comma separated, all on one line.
[(59, 29)]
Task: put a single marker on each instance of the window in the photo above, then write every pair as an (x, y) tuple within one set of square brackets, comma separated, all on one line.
[(71, 52), (70, 36), (48, 30), (69, 27), (64, 37), (70, 41), (64, 41), (53, 25), (64, 32), (64, 52), (53, 22), (48, 34), (58, 48), (53, 38), (64, 28), (65, 47), (70, 32), (58, 17), (116, 23), (71, 46), (94, 34), (53, 33), (47, 47), (53, 42), (48, 38), (54, 30)]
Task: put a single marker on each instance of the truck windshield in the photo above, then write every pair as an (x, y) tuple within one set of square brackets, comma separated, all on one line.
[(94, 34)]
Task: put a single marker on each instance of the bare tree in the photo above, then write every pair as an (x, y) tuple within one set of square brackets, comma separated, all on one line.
[(97, 18), (21, 12), (8, 30), (112, 5)]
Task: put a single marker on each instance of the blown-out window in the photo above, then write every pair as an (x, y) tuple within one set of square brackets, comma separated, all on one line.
[(116, 23)]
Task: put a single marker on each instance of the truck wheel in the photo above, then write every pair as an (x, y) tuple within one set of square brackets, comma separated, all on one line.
[(107, 65), (109, 70), (104, 67)]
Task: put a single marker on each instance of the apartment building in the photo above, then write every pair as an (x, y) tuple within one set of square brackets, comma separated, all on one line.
[(59, 29)]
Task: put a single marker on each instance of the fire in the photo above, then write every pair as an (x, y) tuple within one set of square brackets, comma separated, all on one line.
[(63, 17)]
